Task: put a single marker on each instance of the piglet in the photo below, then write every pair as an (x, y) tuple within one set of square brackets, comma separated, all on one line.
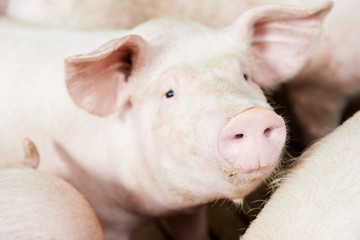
[(320, 197), (35, 205)]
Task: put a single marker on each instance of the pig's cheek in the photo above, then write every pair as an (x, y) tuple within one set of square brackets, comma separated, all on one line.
[(166, 107), (254, 86)]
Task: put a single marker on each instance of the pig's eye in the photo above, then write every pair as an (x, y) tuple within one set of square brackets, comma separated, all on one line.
[(170, 94), (245, 76)]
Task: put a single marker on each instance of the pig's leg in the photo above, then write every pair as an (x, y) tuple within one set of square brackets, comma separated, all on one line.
[(189, 225), (318, 108)]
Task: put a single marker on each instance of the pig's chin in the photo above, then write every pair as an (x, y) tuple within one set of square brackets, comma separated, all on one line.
[(238, 176), (244, 183), (238, 201)]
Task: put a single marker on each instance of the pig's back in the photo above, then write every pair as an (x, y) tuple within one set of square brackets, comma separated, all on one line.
[(34, 101), (32, 201)]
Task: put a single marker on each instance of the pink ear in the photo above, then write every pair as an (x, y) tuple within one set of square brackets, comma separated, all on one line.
[(3, 6), (98, 81), (32, 158), (280, 39)]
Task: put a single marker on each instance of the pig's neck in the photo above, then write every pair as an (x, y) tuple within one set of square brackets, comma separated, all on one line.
[(103, 160)]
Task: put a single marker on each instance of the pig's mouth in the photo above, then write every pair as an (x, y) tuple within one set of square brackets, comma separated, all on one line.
[(238, 201), (249, 176), (245, 182)]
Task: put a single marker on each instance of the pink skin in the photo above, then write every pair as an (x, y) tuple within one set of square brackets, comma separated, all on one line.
[(258, 129)]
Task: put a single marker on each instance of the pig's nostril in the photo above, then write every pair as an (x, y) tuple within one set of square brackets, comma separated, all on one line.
[(267, 132), (239, 136)]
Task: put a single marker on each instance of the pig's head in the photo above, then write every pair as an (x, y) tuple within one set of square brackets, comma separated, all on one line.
[(202, 123)]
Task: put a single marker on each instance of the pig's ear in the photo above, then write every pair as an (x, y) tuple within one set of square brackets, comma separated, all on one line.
[(31, 154), (280, 39), (98, 81)]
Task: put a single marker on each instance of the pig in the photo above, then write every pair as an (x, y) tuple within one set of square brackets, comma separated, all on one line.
[(35, 205), (320, 197), (167, 117), (92, 14), (319, 93)]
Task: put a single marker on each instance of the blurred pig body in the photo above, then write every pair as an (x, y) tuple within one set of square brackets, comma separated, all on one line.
[(177, 116), (35, 205), (330, 79), (320, 196), (90, 14)]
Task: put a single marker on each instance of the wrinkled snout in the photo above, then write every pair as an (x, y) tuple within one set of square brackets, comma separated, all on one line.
[(253, 139)]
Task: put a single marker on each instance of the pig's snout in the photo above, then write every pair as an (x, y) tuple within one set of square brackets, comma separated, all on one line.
[(253, 139)]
